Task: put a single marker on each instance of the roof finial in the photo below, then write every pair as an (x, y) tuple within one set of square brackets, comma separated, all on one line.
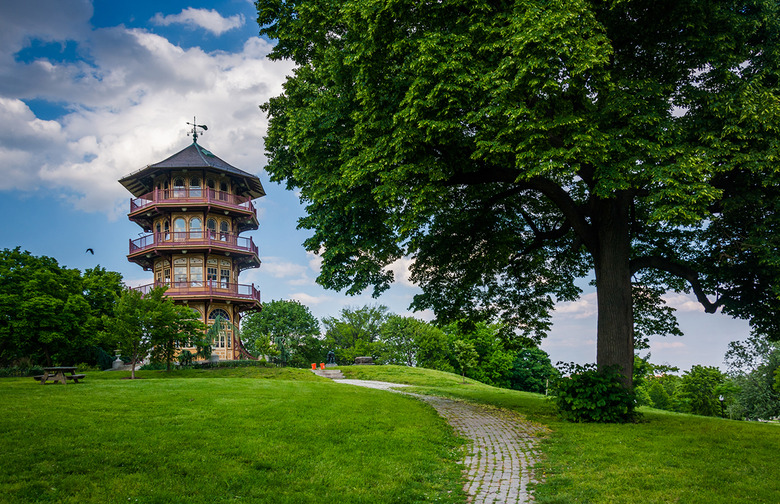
[(195, 129)]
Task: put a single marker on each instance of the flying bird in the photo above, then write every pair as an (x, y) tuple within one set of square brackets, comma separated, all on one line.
[(90, 251)]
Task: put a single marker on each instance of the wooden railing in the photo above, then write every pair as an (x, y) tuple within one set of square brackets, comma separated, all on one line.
[(192, 195), (213, 288), (193, 238)]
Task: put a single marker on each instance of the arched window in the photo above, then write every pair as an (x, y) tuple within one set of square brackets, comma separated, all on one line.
[(211, 226), (179, 229), (196, 228), (223, 191), (219, 312), (178, 188), (224, 230), (195, 191), (226, 332), (167, 229)]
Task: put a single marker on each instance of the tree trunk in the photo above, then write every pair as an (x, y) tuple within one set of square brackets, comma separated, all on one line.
[(615, 333)]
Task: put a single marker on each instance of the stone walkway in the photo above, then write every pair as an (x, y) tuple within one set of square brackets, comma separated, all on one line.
[(502, 450)]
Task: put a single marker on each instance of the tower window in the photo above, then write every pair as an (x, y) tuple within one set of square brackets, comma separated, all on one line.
[(195, 191), (211, 226), (178, 188), (179, 229), (224, 230), (196, 228)]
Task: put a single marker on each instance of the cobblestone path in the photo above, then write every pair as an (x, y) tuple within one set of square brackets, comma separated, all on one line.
[(501, 452)]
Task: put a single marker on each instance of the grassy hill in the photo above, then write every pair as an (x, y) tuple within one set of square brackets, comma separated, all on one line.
[(286, 435)]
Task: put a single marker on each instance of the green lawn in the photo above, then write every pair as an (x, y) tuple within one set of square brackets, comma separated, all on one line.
[(283, 435), (193, 439), (665, 458)]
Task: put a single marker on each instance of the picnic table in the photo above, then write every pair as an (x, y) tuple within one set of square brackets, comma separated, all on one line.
[(59, 374)]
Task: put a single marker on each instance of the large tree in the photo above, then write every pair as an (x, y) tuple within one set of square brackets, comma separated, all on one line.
[(290, 325), (511, 147)]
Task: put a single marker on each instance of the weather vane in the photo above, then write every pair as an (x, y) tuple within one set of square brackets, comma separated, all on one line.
[(195, 129)]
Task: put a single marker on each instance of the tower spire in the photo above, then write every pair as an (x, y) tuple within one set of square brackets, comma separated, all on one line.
[(195, 129)]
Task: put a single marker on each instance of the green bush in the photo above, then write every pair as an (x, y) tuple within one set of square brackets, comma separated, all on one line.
[(232, 364), (20, 371), (588, 394)]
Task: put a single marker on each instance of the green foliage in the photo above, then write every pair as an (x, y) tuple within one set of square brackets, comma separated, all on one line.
[(410, 342), (494, 362), (753, 367), (356, 333), (511, 148), (465, 355), (152, 324), (50, 314), (588, 394), (292, 329), (532, 371), (185, 358), (701, 388)]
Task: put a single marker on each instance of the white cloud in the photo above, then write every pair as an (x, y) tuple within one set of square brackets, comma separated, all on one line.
[(401, 273), (662, 345), (682, 302), (584, 307), (210, 20), (315, 262), (126, 107), (308, 299), (278, 268)]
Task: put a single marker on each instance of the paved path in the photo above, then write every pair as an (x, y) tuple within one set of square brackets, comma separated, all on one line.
[(502, 448)]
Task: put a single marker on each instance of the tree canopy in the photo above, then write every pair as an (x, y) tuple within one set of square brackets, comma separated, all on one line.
[(50, 313), (510, 148), (287, 324)]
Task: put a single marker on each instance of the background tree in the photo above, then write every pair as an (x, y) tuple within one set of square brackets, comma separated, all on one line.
[(513, 147), (355, 333), (532, 370), (701, 388), (44, 316), (289, 324), (493, 363), (752, 367), (465, 355), (400, 339), (129, 327), (172, 327)]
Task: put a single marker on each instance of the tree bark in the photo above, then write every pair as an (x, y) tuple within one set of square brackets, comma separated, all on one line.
[(615, 332)]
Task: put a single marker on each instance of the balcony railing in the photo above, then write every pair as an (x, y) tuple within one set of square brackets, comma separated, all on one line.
[(184, 239), (207, 288), (192, 195)]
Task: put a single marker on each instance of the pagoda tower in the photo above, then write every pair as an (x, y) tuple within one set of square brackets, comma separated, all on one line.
[(193, 208)]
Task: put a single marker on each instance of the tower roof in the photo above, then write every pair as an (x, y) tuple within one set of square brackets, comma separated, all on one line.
[(140, 182)]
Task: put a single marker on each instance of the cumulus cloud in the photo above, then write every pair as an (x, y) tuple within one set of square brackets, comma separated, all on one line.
[(126, 103), (662, 345), (308, 299), (682, 302), (401, 272), (584, 307), (210, 20)]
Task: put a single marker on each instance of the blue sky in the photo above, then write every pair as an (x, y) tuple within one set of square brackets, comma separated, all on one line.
[(91, 91)]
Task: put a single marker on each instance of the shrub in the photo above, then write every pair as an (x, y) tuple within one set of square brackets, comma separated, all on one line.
[(588, 394), (20, 371)]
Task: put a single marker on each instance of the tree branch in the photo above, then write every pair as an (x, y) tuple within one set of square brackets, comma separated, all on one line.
[(681, 271), (554, 192)]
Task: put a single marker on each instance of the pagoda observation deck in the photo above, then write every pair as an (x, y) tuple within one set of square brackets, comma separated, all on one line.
[(192, 208)]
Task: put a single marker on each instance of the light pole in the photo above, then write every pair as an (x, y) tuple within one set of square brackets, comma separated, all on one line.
[(722, 409)]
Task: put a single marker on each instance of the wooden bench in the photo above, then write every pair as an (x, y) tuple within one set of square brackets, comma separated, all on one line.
[(75, 377), (39, 377)]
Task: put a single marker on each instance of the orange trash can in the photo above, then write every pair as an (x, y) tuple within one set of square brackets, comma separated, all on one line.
[(313, 366), (322, 365)]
